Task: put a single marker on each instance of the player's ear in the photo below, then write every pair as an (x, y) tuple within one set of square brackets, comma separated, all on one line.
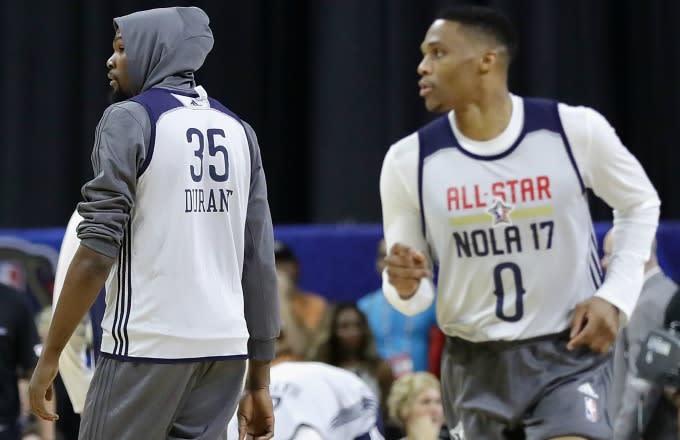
[(487, 61)]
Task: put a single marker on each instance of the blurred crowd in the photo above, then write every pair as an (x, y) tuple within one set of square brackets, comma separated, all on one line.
[(396, 356)]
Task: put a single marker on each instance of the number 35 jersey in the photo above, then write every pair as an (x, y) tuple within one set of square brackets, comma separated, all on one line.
[(175, 290), (510, 229)]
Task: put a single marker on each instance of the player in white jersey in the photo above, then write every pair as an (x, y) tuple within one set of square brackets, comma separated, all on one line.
[(316, 401), (76, 364), (176, 224), (494, 193)]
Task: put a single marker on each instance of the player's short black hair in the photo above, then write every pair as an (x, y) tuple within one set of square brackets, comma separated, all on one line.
[(486, 20)]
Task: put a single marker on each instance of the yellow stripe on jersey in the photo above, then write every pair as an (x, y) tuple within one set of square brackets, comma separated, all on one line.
[(516, 214), (469, 219), (538, 211)]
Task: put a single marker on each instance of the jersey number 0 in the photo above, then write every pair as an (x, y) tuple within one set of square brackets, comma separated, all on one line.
[(499, 291)]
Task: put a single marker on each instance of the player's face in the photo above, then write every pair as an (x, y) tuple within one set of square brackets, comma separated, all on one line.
[(449, 68), (349, 330), (428, 403), (118, 71)]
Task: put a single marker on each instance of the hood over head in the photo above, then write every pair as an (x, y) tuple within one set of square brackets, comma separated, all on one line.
[(165, 45)]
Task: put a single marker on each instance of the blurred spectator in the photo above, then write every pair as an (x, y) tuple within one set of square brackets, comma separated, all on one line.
[(434, 351), (315, 401), (296, 340), (77, 361), (641, 412), (671, 393), (401, 340), (415, 405), (349, 344), (29, 269), (19, 345), (310, 309)]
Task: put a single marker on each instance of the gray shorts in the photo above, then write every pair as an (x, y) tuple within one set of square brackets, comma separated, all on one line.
[(152, 401), (533, 389)]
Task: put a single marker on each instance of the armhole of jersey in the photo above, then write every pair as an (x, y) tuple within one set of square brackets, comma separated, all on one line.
[(432, 137), (567, 146), (152, 138), (421, 160), (215, 104)]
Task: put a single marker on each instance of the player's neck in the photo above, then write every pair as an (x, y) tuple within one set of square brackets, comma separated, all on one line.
[(486, 117)]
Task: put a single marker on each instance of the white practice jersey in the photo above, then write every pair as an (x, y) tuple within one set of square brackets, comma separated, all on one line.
[(507, 221), (76, 363), (333, 403), (175, 290)]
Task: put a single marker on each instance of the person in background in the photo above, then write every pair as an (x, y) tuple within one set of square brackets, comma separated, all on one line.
[(401, 340), (308, 311), (316, 401), (77, 361), (415, 405), (349, 344), (297, 339), (19, 347), (641, 412)]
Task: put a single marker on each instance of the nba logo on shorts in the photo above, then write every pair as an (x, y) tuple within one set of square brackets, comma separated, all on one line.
[(591, 409)]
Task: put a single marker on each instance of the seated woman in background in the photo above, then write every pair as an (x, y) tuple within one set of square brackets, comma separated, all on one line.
[(415, 405), (310, 310), (349, 344)]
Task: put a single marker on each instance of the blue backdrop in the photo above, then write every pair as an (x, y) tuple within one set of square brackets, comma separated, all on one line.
[(338, 261)]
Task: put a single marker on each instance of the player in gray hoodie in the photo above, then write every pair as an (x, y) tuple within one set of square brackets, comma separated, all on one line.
[(184, 243)]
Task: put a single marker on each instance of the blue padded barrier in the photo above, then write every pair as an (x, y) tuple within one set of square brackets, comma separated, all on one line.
[(338, 261)]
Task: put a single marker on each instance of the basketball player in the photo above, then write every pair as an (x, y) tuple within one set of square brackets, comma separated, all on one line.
[(315, 401), (494, 193), (176, 222)]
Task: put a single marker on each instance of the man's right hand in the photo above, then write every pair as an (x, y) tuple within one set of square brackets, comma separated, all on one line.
[(405, 268), (256, 415)]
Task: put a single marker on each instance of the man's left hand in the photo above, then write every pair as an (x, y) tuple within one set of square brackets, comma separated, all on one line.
[(40, 389), (595, 324)]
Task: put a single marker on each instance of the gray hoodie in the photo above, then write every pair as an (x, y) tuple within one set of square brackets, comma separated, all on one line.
[(164, 47)]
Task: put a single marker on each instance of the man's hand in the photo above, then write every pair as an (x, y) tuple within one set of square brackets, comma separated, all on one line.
[(256, 415), (595, 324), (40, 389), (405, 267)]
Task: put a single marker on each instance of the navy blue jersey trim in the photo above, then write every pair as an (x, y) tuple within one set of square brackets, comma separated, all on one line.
[(120, 299), (156, 102), (116, 339), (431, 138), (190, 94), (567, 146), (172, 361), (531, 110), (215, 104), (596, 282), (538, 115), (596, 264), (128, 250)]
